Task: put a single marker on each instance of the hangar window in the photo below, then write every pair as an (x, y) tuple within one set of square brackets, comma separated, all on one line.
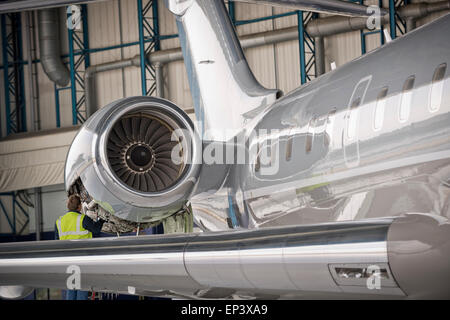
[(378, 118), (437, 88), (406, 99)]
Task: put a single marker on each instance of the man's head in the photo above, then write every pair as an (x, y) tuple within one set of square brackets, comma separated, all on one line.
[(74, 203)]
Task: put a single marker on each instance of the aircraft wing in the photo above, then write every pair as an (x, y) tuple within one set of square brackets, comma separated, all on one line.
[(323, 260), (337, 7)]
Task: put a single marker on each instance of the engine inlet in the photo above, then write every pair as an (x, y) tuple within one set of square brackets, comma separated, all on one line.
[(139, 151)]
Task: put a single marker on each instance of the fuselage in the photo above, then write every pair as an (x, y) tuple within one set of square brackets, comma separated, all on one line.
[(370, 139)]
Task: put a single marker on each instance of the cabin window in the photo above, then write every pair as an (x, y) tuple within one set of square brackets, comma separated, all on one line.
[(352, 123), (437, 88), (329, 128), (258, 162), (289, 144), (378, 118), (406, 99), (310, 134)]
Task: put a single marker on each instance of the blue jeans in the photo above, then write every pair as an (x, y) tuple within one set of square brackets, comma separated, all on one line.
[(76, 295)]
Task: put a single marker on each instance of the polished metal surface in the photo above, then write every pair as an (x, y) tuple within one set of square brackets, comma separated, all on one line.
[(90, 160), (296, 258), (418, 254), (15, 292), (385, 166), (220, 108)]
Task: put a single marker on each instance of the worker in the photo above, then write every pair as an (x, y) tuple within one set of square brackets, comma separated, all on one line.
[(75, 225)]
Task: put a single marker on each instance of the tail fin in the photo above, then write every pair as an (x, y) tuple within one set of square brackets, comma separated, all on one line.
[(223, 87)]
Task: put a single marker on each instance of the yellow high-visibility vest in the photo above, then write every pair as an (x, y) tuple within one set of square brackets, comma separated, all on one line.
[(70, 226)]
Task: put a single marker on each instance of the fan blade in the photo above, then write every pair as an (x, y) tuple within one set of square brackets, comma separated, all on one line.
[(170, 172), (167, 180), (143, 183), (145, 123), (154, 125), (118, 129), (158, 134), (151, 186), (135, 125), (159, 184), (126, 125)]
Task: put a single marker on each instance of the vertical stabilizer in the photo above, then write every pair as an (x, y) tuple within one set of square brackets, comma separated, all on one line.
[(222, 85)]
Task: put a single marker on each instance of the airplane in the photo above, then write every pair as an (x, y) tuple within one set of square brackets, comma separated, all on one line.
[(338, 189)]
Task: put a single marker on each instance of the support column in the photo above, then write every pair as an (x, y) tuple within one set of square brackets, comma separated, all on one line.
[(148, 41), (13, 73), (78, 41), (38, 212), (306, 47)]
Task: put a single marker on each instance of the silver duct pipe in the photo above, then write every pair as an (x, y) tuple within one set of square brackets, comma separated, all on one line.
[(334, 25), (22, 5), (159, 79), (410, 24), (316, 28), (49, 47), (89, 79), (319, 47)]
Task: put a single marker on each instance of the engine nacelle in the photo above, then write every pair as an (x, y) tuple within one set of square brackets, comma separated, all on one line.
[(138, 158)]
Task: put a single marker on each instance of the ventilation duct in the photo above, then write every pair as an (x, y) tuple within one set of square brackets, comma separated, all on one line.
[(49, 47)]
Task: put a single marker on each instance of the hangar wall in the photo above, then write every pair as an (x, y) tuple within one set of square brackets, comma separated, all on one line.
[(114, 22)]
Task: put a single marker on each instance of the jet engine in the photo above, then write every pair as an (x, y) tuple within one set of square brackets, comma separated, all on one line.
[(137, 158)]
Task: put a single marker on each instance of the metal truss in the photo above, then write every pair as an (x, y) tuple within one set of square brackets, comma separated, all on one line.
[(396, 23), (79, 61), (306, 47), (13, 73), (149, 40), (17, 210)]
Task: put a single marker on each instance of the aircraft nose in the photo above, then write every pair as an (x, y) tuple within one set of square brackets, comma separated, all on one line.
[(419, 250)]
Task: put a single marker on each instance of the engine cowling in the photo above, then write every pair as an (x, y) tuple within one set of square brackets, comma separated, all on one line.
[(138, 158)]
